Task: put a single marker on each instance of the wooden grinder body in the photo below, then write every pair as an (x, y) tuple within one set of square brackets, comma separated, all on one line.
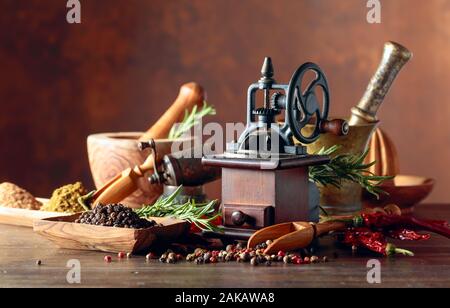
[(264, 197)]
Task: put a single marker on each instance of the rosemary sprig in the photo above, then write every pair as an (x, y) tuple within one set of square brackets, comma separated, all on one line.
[(201, 215), (190, 120), (347, 167)]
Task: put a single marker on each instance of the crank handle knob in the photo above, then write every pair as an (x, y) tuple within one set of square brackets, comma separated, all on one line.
[(238, 218), (338, 127)]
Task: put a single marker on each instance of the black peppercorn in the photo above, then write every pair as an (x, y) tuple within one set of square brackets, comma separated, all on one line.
[(114, 215)]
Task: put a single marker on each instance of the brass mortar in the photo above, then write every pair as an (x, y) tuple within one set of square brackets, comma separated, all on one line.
[(347, 199)]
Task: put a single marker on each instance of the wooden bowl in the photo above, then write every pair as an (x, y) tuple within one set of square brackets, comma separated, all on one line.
[(66, 234), (405, 191), (111, 153)]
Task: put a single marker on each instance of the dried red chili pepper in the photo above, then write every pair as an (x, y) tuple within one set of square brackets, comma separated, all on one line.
[(442, 223), (407, 235), (373, 241), (383, 221)]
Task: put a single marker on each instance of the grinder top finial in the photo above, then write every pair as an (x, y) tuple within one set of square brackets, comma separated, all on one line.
[(267, 73)]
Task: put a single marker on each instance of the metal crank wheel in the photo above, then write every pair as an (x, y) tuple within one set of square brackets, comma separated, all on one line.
[(302, 107)]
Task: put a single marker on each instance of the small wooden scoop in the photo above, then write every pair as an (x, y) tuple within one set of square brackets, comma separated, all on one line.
[(292, 235), (125, 183)]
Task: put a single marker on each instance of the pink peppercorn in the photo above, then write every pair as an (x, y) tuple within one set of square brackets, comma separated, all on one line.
[(281, 253), (121, 255), (107, 259), (296, 260)]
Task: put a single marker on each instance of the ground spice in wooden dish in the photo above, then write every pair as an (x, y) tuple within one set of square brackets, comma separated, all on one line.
[(65, 199), (14, 196)]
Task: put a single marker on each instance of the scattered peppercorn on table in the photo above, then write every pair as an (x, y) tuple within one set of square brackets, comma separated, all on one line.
[(28, 260)]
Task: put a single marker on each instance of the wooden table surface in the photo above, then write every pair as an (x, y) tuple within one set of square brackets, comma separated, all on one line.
[(20, 248)]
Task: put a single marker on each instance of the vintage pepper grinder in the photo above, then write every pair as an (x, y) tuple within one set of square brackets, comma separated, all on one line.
[(265, 173)]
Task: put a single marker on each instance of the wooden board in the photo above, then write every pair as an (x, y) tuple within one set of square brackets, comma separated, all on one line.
[(23, 217), (67, 234), (21, 247)]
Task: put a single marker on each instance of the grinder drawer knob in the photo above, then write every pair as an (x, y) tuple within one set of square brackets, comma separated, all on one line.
[(238, 218)]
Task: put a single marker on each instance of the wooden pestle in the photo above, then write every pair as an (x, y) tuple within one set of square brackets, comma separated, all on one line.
[(191, 94)]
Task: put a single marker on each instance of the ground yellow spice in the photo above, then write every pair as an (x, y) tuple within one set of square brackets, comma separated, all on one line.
[(65, 199)]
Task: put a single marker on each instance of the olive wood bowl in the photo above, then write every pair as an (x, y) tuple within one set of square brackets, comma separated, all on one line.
[(406, 191)]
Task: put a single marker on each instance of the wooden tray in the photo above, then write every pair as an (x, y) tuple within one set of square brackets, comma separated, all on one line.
[(23, 217), (67, 234)]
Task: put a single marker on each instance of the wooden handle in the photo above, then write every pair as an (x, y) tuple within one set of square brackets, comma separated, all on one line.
[(191, 94), (326, 227), (124, 186), (336, 127)]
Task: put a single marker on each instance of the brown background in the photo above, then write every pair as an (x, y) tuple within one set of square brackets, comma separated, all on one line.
[(123, 65)]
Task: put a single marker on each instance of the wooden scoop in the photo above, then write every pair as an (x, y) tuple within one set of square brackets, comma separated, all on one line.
[(125, 183), (191, 94), (292, 235)]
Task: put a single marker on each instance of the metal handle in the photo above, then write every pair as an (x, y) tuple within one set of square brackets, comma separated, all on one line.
[(394, 58), (156, 177)]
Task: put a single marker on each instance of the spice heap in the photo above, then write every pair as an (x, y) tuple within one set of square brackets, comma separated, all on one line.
[(65, 199), (14, 196), (114, 215), (256, 256)]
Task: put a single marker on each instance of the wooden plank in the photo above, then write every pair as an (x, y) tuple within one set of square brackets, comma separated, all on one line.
[(20, 248), (23, 217)]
